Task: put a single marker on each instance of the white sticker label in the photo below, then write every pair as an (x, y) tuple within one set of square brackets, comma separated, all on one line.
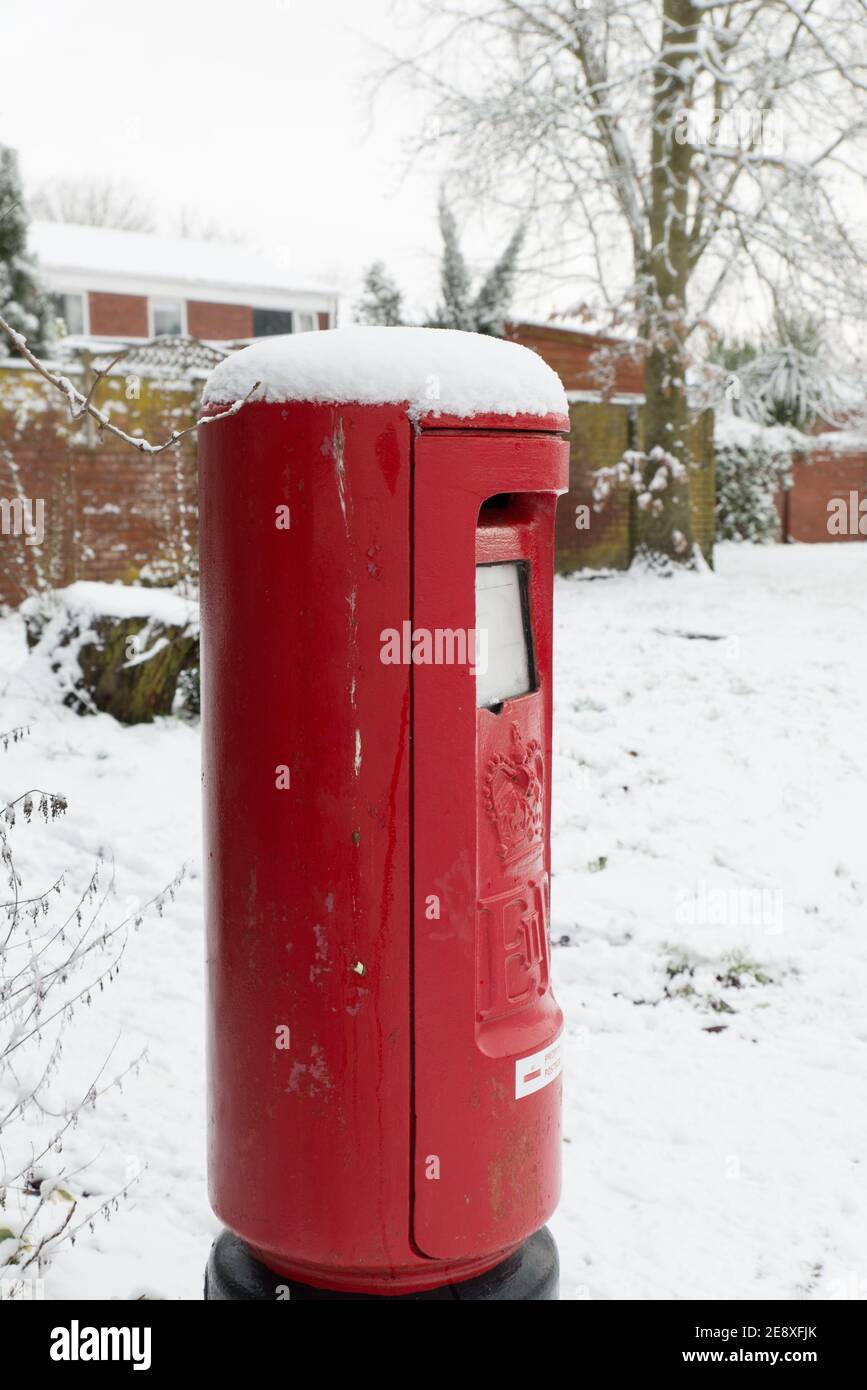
[(532, 1073)]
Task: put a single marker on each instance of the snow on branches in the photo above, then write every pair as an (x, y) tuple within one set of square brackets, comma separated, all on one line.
[(658, 482), (80, 405), (58, 951)]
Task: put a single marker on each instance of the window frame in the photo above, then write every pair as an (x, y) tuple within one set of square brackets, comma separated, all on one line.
[(85, 310), (162, 301)]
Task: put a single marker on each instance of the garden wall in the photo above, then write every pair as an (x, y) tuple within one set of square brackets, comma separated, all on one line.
[(108, 510), (601, 433), (832, 473)]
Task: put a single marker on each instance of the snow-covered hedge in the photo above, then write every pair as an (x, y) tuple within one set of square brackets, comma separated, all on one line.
[(753, 463)]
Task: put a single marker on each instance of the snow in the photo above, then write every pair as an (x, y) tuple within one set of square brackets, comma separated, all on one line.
[(738, 432), (134, 792), (64, 247), (699, 1164), (709, 798), (53, 664), (92, 599), (437, 370), (840, 441)]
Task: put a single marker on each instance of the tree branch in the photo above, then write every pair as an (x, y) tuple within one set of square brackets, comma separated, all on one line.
[(80, 405)]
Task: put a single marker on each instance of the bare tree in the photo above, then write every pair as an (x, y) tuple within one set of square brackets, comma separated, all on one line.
[(194, 226), (93, 203), (684, 157)]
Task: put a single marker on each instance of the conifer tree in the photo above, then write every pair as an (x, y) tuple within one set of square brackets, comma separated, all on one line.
[(23, 303), (381, 303)]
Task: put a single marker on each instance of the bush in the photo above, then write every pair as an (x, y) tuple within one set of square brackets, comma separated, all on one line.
[(753, 464)]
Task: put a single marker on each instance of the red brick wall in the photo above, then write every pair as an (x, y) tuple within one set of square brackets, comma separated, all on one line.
[(571, 355), (118, 315), (108, 509), (828, 474), (219, 321), (108, 512)]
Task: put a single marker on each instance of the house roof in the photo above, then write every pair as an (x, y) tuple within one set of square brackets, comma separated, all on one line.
[(65, 248)]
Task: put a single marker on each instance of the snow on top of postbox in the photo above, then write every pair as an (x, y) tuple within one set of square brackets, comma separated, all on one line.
[(433, 370)]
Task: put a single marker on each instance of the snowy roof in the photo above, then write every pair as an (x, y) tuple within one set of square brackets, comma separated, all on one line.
[(103, 252), (430, 369)]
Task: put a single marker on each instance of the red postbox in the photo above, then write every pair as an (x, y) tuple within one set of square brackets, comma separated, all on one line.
[(377, 569)]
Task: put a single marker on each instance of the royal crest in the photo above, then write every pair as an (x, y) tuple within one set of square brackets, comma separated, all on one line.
[(514, 797)]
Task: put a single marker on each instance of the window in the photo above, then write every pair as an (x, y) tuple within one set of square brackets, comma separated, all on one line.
[(167, 317), (267, 322), (504, 659), (70, 308)]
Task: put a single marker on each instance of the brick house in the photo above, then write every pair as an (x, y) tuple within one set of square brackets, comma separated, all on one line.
[(124, 286)]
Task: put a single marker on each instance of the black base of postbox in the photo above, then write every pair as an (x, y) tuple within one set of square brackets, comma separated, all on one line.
[(530, 1275)]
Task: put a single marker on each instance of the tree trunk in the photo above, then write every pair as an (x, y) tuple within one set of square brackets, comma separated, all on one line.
[(667, 532)]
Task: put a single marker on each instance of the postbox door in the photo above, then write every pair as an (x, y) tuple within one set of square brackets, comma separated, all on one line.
[(486, 1087)]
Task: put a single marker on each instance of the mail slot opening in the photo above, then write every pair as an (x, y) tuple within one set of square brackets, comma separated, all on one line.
[(504, 640), (499, 502)]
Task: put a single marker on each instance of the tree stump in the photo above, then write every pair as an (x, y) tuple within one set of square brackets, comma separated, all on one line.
[(111, 647)]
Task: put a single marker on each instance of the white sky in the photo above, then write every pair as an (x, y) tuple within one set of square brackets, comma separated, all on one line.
[(255, 115)]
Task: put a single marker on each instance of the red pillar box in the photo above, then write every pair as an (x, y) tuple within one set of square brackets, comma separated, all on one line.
[(377, 526)]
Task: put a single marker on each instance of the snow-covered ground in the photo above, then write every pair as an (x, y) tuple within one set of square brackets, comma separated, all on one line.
[(710, 883)]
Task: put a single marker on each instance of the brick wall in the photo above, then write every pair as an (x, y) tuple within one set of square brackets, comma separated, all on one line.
[(109, 511), (600, 436), (827, 474), (702, 484), (118, 315), (217, 322), (601, 433)]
